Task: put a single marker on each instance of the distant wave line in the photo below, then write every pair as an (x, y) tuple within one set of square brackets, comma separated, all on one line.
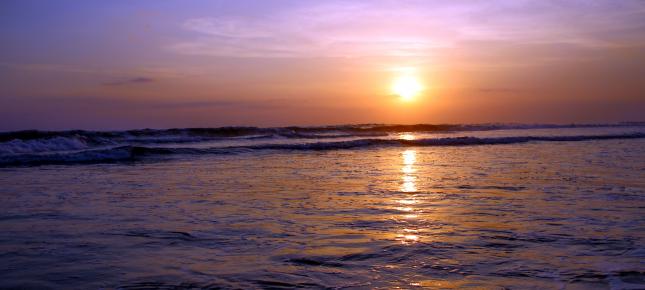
[(139, 153), (201, 134)]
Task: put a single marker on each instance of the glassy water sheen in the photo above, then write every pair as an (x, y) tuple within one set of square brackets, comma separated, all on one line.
[(559, 213)]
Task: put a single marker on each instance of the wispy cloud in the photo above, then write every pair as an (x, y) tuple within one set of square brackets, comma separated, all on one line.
[(409, 28), (116, 73), (499, 90), (130, 81)]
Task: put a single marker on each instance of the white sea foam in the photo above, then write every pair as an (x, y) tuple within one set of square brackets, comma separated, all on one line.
[(18, 146)]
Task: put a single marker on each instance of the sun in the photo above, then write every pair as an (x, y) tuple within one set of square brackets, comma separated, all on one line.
[(407, 87)]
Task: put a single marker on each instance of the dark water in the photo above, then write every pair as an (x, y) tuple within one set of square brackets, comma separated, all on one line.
[(560, 210)]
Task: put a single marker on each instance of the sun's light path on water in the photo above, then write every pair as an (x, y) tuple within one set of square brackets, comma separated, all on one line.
[(408, 235), (407, 136), (409, 158)]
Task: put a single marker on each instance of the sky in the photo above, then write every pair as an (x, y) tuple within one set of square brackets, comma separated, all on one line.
[(108, 65)]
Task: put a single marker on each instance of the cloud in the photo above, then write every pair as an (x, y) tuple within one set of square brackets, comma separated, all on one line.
[(500, 90), (166, 72), (326, 30), (409, 28), (130, 81), (121, 103)]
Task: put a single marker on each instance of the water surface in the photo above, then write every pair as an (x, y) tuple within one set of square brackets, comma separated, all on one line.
[(524, 215)]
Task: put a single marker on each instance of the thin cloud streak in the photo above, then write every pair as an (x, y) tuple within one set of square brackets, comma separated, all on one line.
[(130, 81), (409, 29)]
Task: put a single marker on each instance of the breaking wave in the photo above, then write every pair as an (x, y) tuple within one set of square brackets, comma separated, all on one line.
[(206, 134), (449, 141), (18, 157), (19, 146)]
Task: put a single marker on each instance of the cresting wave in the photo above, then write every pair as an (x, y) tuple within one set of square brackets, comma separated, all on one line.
[(32, 141), (139, 153), (201, 134)]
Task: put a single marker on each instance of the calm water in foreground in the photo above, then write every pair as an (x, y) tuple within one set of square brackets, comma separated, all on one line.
[(526, 215)]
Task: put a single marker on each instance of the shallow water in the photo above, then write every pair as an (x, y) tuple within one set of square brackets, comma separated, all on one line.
[(536, 215)]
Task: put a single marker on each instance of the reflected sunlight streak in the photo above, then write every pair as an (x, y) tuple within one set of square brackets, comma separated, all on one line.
[(408, 186), (407, 201), (409, 180), (407, 136)]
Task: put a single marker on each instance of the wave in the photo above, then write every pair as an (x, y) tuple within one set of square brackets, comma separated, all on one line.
[(139, 153), (18, 146), (208, 134), (450, 141)]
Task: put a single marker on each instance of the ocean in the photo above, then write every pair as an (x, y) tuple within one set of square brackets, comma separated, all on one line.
[(493, 206)]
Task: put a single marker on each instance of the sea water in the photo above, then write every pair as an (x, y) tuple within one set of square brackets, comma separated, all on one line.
[(357, 207)]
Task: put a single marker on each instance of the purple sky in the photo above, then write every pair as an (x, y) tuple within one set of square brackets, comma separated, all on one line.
[(134, 64)]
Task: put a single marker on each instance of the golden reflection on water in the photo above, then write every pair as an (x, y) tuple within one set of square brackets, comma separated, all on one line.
[(407, 201), (409, 179), (408, 186), (407, 136)]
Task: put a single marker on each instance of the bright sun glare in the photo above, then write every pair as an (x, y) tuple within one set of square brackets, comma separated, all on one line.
[(407, 87)]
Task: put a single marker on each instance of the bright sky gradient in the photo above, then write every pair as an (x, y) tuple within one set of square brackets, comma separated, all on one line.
[(134, 64)]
